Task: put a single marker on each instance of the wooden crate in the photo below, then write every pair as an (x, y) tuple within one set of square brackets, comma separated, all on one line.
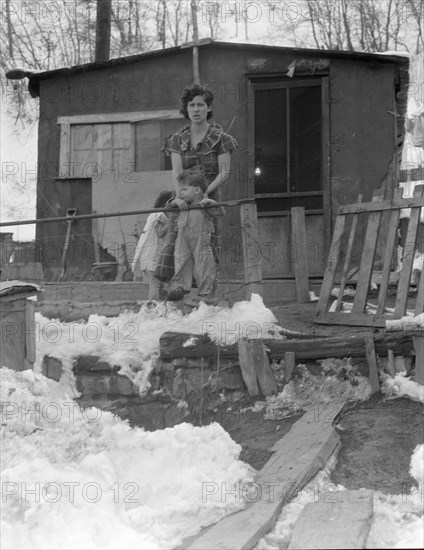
[(17, 327)]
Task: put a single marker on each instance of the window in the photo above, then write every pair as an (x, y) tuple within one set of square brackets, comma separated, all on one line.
[(99, 148), (121, 143), (149, 138), (288, 145)]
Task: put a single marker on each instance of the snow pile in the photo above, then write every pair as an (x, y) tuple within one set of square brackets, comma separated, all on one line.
[(131, 340), (338, 383), (408, 322), (85, 479), (402, 386), (417, 465)]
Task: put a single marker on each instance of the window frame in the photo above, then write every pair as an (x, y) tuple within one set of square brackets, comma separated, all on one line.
[(273, 82), (65, 123)]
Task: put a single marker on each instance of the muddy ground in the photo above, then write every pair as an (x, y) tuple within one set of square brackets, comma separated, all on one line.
[(378, 437)]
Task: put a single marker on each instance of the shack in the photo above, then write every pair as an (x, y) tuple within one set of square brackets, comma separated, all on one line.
[(315, 129)]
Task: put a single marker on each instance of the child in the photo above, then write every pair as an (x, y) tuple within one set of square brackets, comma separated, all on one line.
[(193, 251), (150, 245)]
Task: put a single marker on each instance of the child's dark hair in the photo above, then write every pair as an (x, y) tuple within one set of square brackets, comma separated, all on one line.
[(190, 92), (163, 198), (193, 177)]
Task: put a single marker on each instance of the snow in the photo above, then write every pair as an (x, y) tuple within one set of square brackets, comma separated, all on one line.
[(402, 386), (338, 383), (131, 340), (408, 322), (75, 478), (85, 479), (398, 53), (417, 465)]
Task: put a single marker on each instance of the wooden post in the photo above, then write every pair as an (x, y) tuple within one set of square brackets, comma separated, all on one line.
[(301, 254), (372, 363), (266, 378), (419, 304), (419, 358), (30, 334), (251, 249), (290, 362), (247, 367), (391, 363)]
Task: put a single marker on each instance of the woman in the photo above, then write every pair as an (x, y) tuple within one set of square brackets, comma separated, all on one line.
[(201, 143)]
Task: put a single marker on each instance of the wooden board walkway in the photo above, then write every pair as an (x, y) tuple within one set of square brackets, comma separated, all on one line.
[(299, 455), (341, 521)]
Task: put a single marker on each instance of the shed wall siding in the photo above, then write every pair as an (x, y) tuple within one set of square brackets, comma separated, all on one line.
[(361, 120)]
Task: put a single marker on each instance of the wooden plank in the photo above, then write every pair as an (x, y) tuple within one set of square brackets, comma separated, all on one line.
[(131, 116), (290, 364), (346, 264), (299, 455), (252, 257), (372, 363), (367, 258), (30, 332), (330, 271), (419, 359), (352, 319), (260, 362), (391, 363), (408, 257), (64, 148), (301, 254), (419, 304), (343, 520), (380, 206), (388, 254), (247, 366)]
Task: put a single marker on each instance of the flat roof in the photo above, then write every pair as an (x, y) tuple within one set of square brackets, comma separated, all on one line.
[(205, 44)]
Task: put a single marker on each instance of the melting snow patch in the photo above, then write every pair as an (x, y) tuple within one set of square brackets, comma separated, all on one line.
[(131, 340), (402, 386)]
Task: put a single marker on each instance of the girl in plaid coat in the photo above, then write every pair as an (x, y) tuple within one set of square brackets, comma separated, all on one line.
[(150, 245)]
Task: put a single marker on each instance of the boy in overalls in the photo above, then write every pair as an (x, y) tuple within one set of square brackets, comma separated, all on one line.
[(193, 251)]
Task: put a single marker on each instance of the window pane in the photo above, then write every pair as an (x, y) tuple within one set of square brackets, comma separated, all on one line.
[(148, 147), (82, 137), (305, 139), (270, 141), (121, 135), (102, 136), (170, 126)]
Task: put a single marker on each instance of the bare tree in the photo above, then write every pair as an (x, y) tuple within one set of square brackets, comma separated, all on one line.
[(364, 25)]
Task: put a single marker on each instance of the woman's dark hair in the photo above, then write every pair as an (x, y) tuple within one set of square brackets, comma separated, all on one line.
[(163, 198), (190, 92)]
